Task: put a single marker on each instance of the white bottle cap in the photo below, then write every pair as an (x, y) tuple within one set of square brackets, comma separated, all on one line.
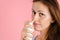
[(31, 23)]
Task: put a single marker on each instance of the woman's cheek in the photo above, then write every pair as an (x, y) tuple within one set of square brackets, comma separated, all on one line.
[(45, 24)]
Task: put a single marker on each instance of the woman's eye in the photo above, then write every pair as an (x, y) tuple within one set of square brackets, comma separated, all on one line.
[(33, 12), (41, 14)]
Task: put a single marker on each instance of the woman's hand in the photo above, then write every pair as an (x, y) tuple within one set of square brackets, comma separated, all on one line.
[(28, 30)]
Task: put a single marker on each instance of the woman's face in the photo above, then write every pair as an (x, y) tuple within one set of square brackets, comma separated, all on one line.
[(41, 16)]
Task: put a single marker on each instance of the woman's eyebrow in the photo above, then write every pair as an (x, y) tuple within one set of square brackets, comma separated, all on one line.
[(33, 10), (40, 11)]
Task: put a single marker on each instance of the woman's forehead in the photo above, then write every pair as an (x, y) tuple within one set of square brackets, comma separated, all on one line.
[(39, 6)]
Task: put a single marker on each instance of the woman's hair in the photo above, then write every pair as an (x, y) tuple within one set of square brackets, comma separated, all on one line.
[(54, 31)]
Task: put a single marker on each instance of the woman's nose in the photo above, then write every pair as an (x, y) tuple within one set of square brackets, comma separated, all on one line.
[(36, 17)]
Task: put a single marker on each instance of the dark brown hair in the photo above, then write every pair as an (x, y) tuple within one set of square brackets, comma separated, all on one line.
[(54, 31)]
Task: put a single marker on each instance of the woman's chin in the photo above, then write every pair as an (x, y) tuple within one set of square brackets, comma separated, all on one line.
[(38, 29)]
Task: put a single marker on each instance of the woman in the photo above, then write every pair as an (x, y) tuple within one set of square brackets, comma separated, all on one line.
[(46, 17)]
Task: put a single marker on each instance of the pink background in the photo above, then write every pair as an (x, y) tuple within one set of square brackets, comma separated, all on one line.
[(13, 14)]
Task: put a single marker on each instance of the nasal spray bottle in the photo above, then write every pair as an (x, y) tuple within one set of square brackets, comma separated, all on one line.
[(30, 31)]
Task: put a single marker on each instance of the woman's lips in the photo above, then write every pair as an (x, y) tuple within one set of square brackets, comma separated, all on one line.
[(36, 24)]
